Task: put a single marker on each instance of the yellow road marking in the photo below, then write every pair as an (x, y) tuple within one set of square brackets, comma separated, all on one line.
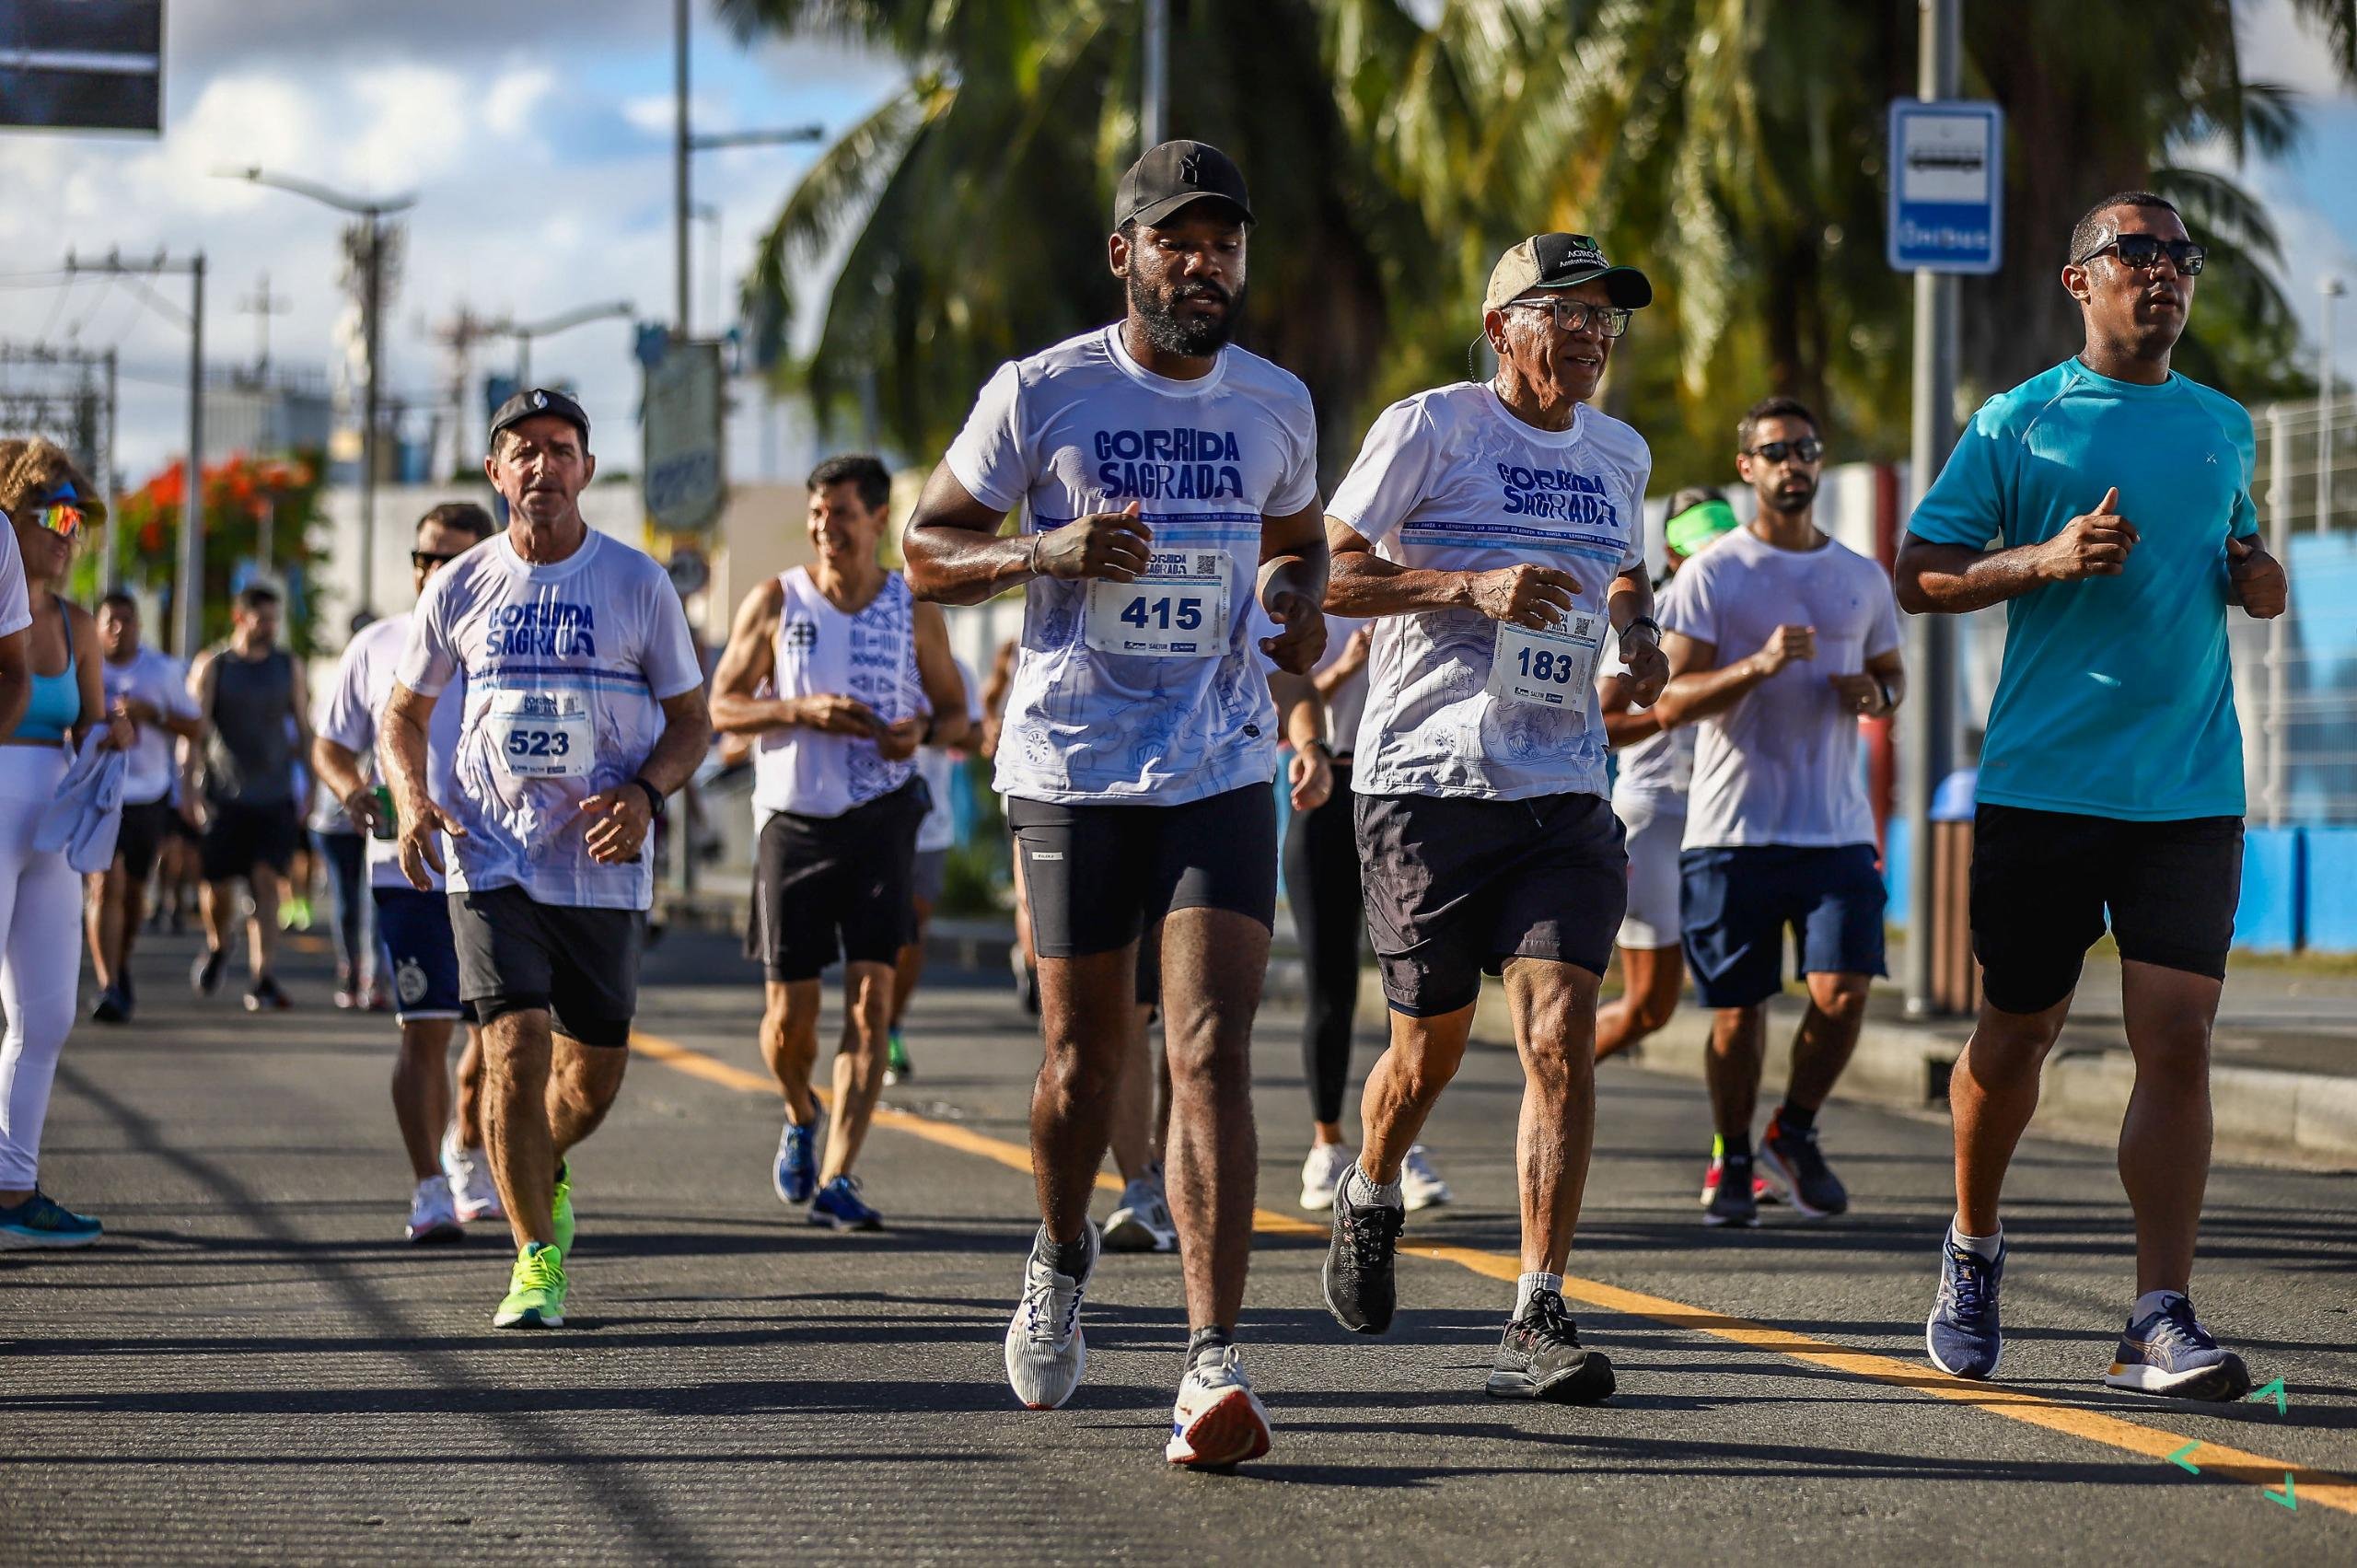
[(2253, 1469)]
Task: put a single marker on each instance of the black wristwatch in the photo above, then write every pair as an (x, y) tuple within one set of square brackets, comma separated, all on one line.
[(1889, 703), (1648, 622), (654, 796)]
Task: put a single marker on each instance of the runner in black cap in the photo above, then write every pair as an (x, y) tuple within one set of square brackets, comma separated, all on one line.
[(1170, 480)]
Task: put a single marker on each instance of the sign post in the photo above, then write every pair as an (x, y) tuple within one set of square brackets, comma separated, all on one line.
[(1947, 169), (684, 485)]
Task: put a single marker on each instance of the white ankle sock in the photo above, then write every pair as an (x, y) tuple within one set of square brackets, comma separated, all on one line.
[(1528, 1285), (1364, 1190), (1986, 1245)]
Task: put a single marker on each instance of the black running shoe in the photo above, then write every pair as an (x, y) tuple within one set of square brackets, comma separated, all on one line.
[(1360, 1291), (1794, 1169), (110, 1008), (1540, 1358), (204, 975), (265, 997), (1733, 1203)]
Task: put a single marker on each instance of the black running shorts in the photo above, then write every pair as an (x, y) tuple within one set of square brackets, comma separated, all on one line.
[(517, 955), (144, 824), (829, 886), (2043, 883), (1456, 887), (1097, 875)]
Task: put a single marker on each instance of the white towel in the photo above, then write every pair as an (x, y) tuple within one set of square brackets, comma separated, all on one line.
[(88, 813)]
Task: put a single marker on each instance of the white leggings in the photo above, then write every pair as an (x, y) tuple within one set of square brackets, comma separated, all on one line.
[(40, 957)]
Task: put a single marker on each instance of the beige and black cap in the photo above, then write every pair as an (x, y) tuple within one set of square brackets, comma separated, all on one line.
[(1559, 260)]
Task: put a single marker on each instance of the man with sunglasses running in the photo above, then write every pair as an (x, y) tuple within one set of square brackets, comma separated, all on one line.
[(454, 1185), (1495, 531), (1779, 640), (2106, 503)]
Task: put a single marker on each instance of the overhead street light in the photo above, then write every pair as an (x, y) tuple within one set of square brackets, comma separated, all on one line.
[(524, 332), (371, 215)]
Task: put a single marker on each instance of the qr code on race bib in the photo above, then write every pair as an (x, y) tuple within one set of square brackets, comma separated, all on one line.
[(1187, 563)]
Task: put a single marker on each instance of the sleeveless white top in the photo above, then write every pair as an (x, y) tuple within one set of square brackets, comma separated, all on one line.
[(822, 652)]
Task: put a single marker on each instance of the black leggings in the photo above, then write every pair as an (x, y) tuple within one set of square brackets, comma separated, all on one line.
[(1328, 908), (346, 855)]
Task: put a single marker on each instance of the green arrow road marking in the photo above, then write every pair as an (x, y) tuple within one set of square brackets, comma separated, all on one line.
[(2286, 1497), (2274, 1391), (2179, 1459)]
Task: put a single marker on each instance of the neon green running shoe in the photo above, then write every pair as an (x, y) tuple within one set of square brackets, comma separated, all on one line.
[(896, 1061), (561, 1212), (535, 1291)]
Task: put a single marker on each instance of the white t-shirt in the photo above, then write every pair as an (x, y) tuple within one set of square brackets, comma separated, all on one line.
[(349, 712), (157, 679), (934, 765), (1779, 766), (15, 606), (1451, 480), (1347, 703), (1081, 428), (820, 651), (1659, 769), (566, 666)]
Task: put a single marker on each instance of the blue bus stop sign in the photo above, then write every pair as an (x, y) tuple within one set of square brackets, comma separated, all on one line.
[(1947, 186)]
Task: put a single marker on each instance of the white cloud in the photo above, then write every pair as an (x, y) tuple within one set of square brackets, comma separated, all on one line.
[(2279, 45), (508, 107)]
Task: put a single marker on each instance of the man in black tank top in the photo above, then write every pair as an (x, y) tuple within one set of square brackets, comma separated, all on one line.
[(257, 724)]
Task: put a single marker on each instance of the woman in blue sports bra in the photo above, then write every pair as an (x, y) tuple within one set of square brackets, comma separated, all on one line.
[(48, 503)]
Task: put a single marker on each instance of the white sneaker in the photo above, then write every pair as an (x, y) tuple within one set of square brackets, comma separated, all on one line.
[(476, 1194), (1143, 1223), (1325, 1166), (1218, 1420), (1045, 1350), (432, 1215), (1420, 1185)]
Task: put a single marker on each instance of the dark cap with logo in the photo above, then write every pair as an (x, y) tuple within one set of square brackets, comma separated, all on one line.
[(1559, 260), (538, 400), (1174, 174)]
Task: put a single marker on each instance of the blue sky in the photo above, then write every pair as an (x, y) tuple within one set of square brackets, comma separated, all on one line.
[(538, 141)]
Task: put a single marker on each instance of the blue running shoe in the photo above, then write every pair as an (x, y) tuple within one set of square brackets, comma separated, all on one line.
[(1962, 1336), (840, 1205), (796, 1176), (2170, 1352), (41, 1221)]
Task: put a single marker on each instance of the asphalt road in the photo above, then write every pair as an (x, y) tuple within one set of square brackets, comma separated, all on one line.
[(255, 1368)]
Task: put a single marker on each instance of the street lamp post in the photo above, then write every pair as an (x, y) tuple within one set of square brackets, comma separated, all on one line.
[(524, 332), (372, 300)]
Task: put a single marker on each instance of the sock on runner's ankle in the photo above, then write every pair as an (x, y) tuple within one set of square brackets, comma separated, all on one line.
[(1984, 1246), (1212, 1339), (1791, 1117), (1528, 1285), (1736, 1148), (2152, 1301), (1364, 1190), (1069, 1259)]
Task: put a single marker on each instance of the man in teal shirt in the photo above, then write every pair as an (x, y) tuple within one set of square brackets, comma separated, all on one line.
[(2106, 503)]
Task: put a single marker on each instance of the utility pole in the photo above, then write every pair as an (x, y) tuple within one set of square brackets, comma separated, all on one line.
[(1154, 90), (261, 304), (364, 243), (188, 591), (2332, 288), (111, 480), (1928, 739)]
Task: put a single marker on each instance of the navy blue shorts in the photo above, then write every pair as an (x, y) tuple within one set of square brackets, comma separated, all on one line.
[(1735, 904), (414, 930)]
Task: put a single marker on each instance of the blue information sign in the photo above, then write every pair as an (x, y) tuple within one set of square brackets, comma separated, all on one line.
[(1947, 186)]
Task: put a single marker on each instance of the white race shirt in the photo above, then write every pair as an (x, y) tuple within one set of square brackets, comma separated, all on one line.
[(155, 678), (15, 607), (871, 656), (350, 710), (566, 666), (1779, 766), (1659, 769), (939, 830), (1081, 428), (1451, 480)]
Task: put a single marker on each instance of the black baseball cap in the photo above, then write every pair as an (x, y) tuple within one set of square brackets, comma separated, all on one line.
[(537, 400), (1174, 174)]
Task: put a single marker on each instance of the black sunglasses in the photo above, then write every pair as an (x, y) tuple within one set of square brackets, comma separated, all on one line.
[(2143, 252), (426, 560), (1808, 449)]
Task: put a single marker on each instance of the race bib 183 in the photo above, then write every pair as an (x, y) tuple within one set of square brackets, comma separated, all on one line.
[(1179, 609), (1554, 668), (541, 735)]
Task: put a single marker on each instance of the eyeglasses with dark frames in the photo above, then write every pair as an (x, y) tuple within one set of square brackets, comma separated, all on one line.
[(1808, 450), (2143, 252)]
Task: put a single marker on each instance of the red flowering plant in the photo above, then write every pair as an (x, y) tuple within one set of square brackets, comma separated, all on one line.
[(238, 493)]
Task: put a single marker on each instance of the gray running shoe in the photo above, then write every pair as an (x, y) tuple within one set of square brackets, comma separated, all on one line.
[(1045, 1350)]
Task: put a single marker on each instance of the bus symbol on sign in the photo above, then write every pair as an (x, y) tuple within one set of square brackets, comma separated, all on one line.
[(1947, 187)]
